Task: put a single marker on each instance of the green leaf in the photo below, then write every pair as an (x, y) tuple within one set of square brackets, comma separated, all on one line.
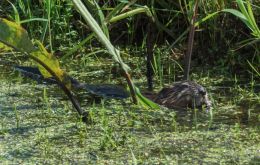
[(116, 10), (256, 29), (206, 18), (236, 13), (16, 13), (111, 49), (13, 35), (242, 8), (99, 33), (145, 101), (254, 68), (50, 62), (240, 15), (34, 19), (102, 19), (144, 9)]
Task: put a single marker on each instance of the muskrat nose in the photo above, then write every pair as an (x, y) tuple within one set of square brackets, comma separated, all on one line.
[(202, 91)]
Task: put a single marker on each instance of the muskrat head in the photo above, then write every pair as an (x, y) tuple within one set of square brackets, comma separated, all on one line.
[(202, 98), (202, 91), (183, 94)]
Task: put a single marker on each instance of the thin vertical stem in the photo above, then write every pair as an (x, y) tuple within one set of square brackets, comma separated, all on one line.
[(150, 42), (190, 42)]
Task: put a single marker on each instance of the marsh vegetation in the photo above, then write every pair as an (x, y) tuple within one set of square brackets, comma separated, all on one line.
[(140, 46)]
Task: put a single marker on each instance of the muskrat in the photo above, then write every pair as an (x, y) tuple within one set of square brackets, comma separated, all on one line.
[(183, 94)]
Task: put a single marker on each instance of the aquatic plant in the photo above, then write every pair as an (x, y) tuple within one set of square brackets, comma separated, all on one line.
[(14, 37)]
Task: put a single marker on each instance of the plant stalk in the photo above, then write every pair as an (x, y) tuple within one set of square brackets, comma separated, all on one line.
[(190, 42), (73, 100), (105, 41)]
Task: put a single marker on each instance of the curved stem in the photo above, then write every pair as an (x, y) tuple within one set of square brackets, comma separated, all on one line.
[(70, 95)]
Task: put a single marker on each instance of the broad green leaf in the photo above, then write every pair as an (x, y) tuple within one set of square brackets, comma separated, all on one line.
[(13, 35), (51, 61)]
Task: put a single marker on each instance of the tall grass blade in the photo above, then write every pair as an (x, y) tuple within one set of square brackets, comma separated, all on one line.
[(34, 19), (115, 11), (77, 47), (247, 16), (111, 49), (254, 68), (144, 9), (240, 15), (16, 14), (102, 19), (99, 33), (252, 20)]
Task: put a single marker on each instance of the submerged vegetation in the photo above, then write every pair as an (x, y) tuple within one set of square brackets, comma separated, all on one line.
[(139, 45)]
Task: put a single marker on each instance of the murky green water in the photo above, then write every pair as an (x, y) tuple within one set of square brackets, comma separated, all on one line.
[(38, 125)]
